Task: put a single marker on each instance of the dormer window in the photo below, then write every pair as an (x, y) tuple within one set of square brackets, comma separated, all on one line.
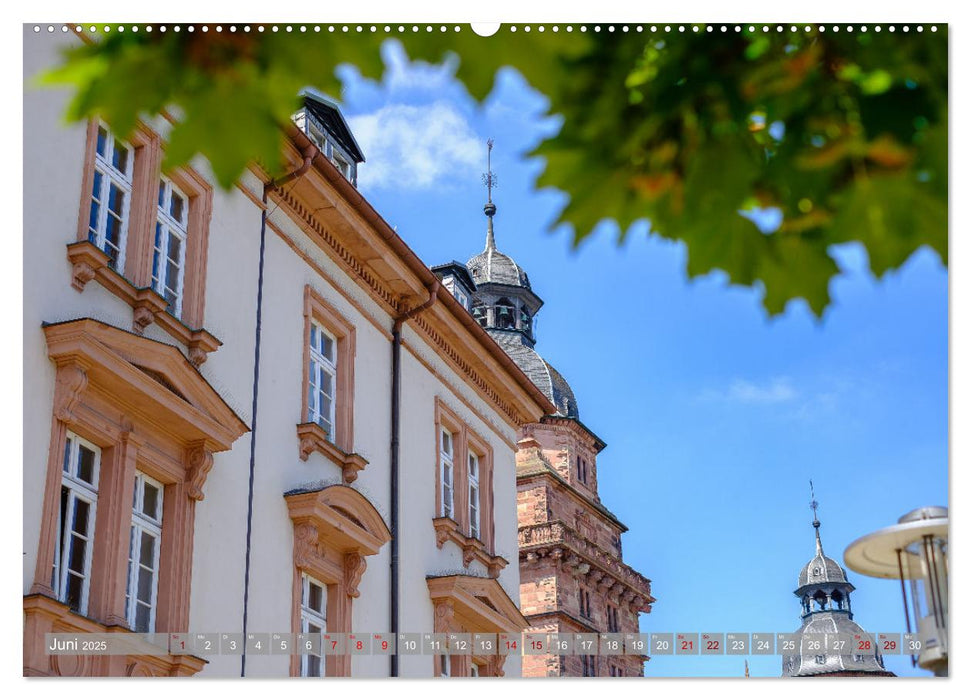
[(322, 122)]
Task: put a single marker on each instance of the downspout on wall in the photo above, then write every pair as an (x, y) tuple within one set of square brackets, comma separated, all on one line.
[(433, 290), (308, 157)]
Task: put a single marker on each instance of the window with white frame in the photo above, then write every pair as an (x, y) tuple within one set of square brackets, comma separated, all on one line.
[(323, 379), (141, 596), (446, 663), (474, 495), (447, 466), (168, 260), (71, 575), (110, 197), (313, 620)]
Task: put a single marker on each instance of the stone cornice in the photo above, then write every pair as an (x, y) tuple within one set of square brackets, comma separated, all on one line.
[(447, 529), (540, 469), (313, 438), (88, 262), (347, 228), (585, 560)]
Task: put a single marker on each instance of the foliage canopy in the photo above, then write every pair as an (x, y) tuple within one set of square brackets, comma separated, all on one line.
[(843, 133)]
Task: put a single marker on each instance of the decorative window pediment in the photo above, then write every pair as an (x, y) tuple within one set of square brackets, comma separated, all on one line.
[(155, 380), (475, 603)]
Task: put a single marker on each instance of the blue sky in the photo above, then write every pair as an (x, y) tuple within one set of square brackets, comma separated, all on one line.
[(715, 416)]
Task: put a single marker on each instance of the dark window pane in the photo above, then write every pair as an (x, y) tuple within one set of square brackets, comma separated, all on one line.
[(102, 140), (177, 207), (72, 596), (315, 597), (68, 444), (146, 554), (143, 616), (145, 579), (116, 199), (171, 274), (96, 189), (161, 194), (150, 501), (85, 464), (81, 512), (120, 157), (78, 549), (113, 233), (175, 248)]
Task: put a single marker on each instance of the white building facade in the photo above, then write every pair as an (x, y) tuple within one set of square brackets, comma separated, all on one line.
[(160, 497)]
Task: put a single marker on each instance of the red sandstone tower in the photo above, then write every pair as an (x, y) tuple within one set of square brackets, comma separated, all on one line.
[(572, 574)]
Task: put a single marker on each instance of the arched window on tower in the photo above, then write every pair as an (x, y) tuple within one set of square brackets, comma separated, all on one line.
[(525, 321), (505, 314), (479, 313), (820, 600), (837, 598)]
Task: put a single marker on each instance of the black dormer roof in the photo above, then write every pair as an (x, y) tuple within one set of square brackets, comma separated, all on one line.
[(326, 111), (458, 270)]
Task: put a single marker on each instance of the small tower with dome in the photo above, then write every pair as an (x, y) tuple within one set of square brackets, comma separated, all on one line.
[(824, 599), (572, 574)]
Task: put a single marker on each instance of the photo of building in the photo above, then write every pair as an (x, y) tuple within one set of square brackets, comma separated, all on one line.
[(306, 394)]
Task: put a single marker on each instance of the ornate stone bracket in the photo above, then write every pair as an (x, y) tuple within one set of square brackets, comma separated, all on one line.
[(148, 304), (354, 567), (71, 381), (88, 262), (198, 462), (313, 438), (473, 549)]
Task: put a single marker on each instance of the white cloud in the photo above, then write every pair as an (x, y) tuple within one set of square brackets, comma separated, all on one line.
[(774, 391), (416, 146)]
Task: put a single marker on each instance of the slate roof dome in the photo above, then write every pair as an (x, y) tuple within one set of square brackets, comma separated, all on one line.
[(492, 266), (821, 569), (540, 372)]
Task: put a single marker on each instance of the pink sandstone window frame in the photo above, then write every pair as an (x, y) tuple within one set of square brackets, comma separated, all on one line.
[(133, 283), (318, 310)]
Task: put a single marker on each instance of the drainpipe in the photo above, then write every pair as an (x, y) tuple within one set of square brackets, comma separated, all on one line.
[(308, 157), (395, 432)]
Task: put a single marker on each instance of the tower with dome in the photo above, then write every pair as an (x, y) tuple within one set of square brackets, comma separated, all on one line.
[(827, 617), (573, 578)]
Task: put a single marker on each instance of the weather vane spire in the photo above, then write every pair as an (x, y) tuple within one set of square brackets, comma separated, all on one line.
[(489, 180), (814, 505)]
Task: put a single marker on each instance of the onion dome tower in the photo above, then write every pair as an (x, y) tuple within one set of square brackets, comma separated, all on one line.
[(824, 594), (572, 574)]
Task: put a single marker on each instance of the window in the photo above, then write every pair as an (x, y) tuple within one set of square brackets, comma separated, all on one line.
[(475, 670), (110, 197), (313, 620), (474, 495), (168, 257), (463, 490), (79, 497), (584, 603), (447, 473), (613, 622), (461, 297), (323, 379), (582, 470), (143, 554), (589, 666), (444, 662), (616, 672), (327, 401)]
